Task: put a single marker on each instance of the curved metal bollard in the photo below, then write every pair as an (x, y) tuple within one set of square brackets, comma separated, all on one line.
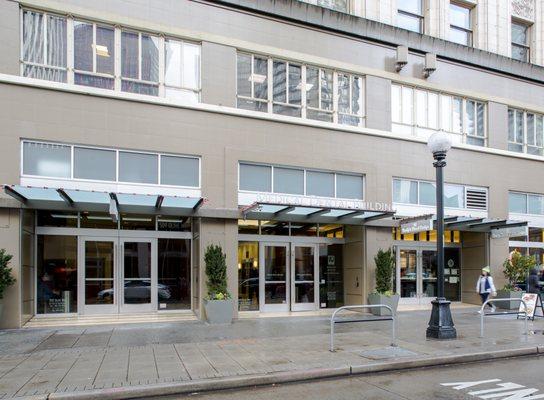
[(363, 307), (482, 314)]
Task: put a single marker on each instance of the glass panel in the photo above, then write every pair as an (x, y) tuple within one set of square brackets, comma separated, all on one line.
[(150, 58), (343, 94), (331, 276), (412, 6), (326, 89), (56, 41), (255, 177), (244, 75), (260, 77), (338, 5), (432, 110), (520, 53), (275, 259), (460, 36), (454, 196), (304, 264), (409, 22), (286, 110), (539, 133), (295, 82), (49, 74), (57, 219), (174, 274), (408, 274), (519, 127), (140, 88), (180, 171), (95, 81), (407, 102), (138, 167), (94, 164), (517, 203), (274, 228), (349, 186), (33, 39), (302, 229), (288, 180), (99, 275), (511, 125), (97, 220), (471, 117), (459, 16), (280, 82), (536, 204), (530, 129), (253, 105), (404, 191), (519, 33), (56, 274), (145, 222), (83, 46), (45, 159), (181, 94), (357, 96), (428, 273), (446, 112), (191, 66), (105, 50), (480, 119), (248, 276), (536, 235), (137, 272), (248, 226), (457, 115), (172, 67), (129, 55), (319, 115), (312, 87), (395, 103), (319, 184), (427, 194), (421, 107)]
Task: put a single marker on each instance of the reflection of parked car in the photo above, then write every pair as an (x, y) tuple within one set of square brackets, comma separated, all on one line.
[(138, 290)]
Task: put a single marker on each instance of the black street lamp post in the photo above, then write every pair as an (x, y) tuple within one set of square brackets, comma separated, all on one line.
[(441, 323)]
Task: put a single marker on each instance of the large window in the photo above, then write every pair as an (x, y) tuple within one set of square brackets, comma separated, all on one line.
[(421, 112), (174, 274), (298, 181), (526, 203), (460, 23), (336, 5), (525, 132), (51, 160), (520, 42), (406, 191), (299, 91), (410, 15), (44, 46), (109, 57)]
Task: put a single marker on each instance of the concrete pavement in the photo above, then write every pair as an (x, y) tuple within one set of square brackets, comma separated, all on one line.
[(115, 361)]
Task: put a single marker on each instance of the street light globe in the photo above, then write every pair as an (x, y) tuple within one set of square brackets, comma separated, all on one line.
[(439, 142)]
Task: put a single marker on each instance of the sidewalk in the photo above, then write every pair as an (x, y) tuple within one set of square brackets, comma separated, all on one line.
[(191, 355)]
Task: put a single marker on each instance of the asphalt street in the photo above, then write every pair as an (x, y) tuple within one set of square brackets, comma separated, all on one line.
[(514, 379)]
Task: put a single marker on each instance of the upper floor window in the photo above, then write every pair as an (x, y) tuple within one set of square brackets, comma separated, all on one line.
[(337, 5), (420, 112), (520, 42), (298, 181), (460, 23), (52, 160), (109, 57), (525, 132), (298, 90), (44, 46), (526, 203), (406, 191), (410, 15)]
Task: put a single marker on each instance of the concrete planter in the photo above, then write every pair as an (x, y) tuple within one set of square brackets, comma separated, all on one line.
[(507, 294), (219, 311), (391, 301)]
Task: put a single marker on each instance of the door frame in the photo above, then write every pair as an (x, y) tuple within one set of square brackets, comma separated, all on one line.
[(263, 307), (304, 306)]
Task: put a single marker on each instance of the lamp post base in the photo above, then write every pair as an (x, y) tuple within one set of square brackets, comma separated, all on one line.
[(441, 322)]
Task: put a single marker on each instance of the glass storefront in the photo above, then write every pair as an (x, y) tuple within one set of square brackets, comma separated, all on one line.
[(532, 245), (174, 274), (248, 276), (331, 276), (56, 274)]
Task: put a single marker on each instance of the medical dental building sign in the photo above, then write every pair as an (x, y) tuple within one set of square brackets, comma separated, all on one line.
[(317, 202)]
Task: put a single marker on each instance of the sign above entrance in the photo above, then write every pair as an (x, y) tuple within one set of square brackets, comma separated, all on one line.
[(508, 232), (416, 225)]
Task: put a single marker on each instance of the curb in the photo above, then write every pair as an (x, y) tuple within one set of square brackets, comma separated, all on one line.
[(163, 389)]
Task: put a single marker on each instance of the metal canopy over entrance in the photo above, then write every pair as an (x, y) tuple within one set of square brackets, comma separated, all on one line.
[(294, 213), (469, 224), (84, 200)]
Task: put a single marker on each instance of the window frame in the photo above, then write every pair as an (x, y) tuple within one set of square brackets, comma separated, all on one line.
[(117, 151), (470, 29), (526, 45), (527, 195), (420, 17), (525, 143), (162, 65), (287, 90), (305, 170), (156, 83)]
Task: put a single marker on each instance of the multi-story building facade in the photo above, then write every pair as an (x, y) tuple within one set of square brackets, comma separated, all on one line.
[(134, 134)]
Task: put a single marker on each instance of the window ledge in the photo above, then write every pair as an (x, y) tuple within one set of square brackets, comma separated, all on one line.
[(91, 91)]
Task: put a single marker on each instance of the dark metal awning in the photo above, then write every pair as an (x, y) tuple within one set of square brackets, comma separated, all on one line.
[(86, 200), (472, 224), (295, 213)]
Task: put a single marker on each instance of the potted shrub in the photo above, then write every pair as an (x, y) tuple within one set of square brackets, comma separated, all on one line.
[(385, 266), (6, 278), (218, 303), (516, 268)]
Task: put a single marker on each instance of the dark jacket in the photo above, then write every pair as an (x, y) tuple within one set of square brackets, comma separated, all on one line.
[(533, 282)]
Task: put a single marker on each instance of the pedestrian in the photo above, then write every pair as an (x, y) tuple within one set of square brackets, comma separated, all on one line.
[(533, 284), (485, 287)]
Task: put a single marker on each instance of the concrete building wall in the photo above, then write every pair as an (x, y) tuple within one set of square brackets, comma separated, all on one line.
[(353, 257), (28, 265), (473, 259), (9, 31), (218, 68), (10, 240), (376, 239), (378, 103)]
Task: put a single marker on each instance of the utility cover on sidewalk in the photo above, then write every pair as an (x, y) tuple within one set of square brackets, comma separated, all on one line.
[(387, 352)]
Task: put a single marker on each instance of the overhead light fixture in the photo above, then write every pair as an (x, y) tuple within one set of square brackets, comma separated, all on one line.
[(101, 50), (257, 78), (64, 216)]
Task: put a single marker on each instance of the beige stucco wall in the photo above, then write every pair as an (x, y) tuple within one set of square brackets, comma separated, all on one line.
[(10, 241)]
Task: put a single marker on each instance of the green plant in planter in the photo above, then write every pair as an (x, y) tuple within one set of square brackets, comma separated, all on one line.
[(216, 270), (385, 265), (6, 278), (516, 268)]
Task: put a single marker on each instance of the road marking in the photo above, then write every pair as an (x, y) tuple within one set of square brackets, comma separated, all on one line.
[(503, 391)]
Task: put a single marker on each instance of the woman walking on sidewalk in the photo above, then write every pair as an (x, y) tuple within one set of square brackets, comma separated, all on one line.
[(485, 287)]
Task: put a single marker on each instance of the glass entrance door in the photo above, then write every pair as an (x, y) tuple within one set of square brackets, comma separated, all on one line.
[(304, 274), (274, 275), (407, 276)]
